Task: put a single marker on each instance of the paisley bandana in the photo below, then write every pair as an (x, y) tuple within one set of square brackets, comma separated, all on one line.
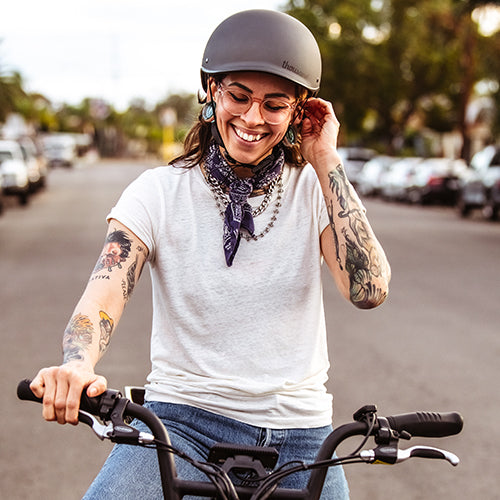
[(238, 214)]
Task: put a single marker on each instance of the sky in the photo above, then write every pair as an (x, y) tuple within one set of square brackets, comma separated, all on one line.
[(117, 50)]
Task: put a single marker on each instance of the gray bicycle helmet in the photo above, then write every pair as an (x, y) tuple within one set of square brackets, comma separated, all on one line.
[(264, 40)]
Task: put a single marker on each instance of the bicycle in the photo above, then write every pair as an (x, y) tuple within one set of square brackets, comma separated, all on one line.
[(255, 464)]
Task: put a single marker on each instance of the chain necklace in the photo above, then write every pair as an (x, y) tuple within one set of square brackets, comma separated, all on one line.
[(222, 201)]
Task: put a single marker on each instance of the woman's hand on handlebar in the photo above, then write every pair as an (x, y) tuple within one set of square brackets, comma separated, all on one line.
[(61, 388)]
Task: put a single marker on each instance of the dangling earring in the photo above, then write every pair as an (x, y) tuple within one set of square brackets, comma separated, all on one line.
[(208, 112), (291, 135)]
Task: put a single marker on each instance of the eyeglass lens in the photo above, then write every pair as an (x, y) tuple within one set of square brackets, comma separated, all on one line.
[(273, 110)]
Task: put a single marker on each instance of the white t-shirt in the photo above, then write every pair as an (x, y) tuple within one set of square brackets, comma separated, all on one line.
[(247, 341)]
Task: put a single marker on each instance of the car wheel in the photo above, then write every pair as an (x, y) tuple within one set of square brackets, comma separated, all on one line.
[(415, 197), (490, 211), (24, 198), (462, 207)]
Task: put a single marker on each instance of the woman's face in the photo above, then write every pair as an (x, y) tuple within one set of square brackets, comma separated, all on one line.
[(248, 137)]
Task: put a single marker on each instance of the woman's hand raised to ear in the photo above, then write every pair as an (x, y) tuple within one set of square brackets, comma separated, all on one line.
[(320, 129)]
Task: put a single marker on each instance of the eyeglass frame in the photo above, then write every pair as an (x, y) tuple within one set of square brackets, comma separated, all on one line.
[(222, 89)]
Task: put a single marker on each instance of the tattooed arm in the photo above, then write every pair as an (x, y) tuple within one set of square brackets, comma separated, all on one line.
[(91, 326), (351, 250)]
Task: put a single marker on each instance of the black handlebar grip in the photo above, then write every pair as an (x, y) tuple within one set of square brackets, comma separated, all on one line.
[(25, 393), (88, 404), (428, 424)]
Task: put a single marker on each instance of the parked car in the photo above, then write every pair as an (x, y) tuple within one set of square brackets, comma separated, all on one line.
[(60, 150), (14, 171), (480, 188), (36, 162), (354, 160), (371, 177), (398, 177), (436, 180)]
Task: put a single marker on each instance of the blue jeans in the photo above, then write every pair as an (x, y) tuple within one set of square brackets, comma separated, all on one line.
[(132, 472)]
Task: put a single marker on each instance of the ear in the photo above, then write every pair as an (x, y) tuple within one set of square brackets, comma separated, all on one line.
[(211, 88)]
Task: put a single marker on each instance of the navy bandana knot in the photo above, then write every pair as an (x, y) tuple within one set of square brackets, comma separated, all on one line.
[(238, 214)]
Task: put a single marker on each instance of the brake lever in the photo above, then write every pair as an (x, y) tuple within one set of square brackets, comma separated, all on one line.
[(117, 433), (392, 455), (100, 430), (428, 452)]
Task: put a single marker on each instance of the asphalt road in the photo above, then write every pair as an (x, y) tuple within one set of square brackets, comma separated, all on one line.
[(434, 345)]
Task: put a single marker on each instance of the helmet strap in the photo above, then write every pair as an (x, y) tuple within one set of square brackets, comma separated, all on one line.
[(212, 119), (216, 135), (291, 135)]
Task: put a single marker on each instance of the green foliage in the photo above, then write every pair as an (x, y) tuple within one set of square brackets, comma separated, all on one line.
[(390, 68), (390, 63), (11, 93)]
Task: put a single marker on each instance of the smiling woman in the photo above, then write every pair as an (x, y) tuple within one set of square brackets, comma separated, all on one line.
[(235, 231), (254, 111)]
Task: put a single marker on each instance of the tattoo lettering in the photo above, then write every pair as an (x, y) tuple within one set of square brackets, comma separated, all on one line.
[(99, 277), (77, 338), (106, 324), (116, 250), (361, 260)]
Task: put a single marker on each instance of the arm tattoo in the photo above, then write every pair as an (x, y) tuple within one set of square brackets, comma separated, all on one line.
[(129, 285), (361, 260), (106, 325), (363, 291), (329, 208), (77, 337), (116, 250)]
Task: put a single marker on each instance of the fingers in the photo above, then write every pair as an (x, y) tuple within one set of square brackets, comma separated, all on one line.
[(319, 112), (44, 386), (320, 126), (61, 388), (37, 385), (97, 387)]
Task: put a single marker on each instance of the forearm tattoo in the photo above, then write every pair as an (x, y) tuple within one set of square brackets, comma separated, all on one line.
[(106, 324), (77, 338), (361, 258)]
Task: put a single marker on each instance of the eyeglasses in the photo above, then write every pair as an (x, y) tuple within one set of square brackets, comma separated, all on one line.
[(273, 110)]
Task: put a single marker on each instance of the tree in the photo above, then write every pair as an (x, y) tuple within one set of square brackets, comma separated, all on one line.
[(392, 63), (11, 90)]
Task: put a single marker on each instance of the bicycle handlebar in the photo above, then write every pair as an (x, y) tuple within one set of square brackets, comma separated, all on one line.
[(427, 424), (88, 404), (112, 407)]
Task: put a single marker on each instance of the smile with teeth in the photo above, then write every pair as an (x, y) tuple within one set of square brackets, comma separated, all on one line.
[(248, 137)]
